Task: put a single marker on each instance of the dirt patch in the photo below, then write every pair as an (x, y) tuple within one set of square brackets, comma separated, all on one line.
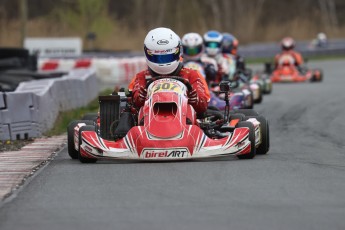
[(13, 145)]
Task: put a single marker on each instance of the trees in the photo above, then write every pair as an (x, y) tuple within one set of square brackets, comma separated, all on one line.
[(249, 20)]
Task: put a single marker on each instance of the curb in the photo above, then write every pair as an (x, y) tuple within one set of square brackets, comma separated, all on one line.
[(16, 167)]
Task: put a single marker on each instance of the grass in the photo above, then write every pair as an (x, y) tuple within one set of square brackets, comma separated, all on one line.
[(64, 118)]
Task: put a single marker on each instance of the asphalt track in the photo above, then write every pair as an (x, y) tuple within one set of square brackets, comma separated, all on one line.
[(300, 184)]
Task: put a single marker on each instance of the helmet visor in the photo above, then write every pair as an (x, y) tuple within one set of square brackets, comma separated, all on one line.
[(212, 44), (162, 57), (192, 51)]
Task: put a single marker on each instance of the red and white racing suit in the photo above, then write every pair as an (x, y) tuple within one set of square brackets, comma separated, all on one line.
[(291, 56), (194, 77)]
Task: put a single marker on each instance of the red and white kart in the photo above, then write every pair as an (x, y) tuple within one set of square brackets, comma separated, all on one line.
[(166, 128), (286, 71)]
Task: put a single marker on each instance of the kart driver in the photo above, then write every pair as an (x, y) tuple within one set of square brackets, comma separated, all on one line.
[(213, 42), (163, 50), (229, 47), (193, 50), (288, 54)]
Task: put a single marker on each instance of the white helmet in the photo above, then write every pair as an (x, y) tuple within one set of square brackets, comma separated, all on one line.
[(288, 43), (321, 36), (213, 41), (162, 48), (193, 46)]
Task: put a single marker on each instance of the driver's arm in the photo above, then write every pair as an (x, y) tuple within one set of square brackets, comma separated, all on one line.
[(140, 81), (199, 84), (298, 58)]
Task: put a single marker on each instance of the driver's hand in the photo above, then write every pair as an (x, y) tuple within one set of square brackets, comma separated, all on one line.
[(142, 94), (192, 97)]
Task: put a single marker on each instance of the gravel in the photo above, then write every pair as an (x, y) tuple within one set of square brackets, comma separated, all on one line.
[(13, 145)]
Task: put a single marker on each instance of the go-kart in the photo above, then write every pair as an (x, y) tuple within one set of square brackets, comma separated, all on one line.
[(287, 71), (166, 128), (263, 79), (252, 86), (239, 98), (243, 77)]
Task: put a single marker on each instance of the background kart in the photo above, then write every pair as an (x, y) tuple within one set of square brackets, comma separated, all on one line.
[(263, 79), (239, 99), (287, 72), (167, 129), (243, 77)]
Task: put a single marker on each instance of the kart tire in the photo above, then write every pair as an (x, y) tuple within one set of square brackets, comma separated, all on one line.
[(265, 135), (259, 100), (252, 153), (90, 116), (251, 106), (72, 152), (81, 158), (247, 112), (321, 76), (317, 79), (268, 87)]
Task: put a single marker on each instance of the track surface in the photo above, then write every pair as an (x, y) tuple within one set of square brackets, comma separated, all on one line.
[(300, 184)]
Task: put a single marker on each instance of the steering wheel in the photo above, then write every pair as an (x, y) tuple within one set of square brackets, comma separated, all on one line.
[(181, 79)]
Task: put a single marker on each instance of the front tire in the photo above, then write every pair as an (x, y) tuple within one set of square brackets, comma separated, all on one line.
[(72, 152), (252, 153), (81, 158)]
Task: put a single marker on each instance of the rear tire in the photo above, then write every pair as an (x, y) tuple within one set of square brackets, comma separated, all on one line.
[(316, 78), (72, 152), (252, 153), (265, 136), (81, 158), (251, 106), (268, 87), (259, 100)]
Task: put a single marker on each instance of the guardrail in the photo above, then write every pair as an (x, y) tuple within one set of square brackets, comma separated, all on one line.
[(33, 107), (109, 69), (269, 50)]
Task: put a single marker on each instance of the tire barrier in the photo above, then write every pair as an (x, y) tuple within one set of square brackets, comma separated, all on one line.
[(109, 70), (33, 107)]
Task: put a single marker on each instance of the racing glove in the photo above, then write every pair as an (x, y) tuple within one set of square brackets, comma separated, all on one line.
[(193, 97), (142, 94)]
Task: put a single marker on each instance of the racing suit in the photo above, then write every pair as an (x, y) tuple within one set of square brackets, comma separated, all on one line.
[(297, 58), (194, 77), (226, 66), (209, 67)]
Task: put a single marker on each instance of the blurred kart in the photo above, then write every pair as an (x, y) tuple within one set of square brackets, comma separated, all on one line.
[(238, 99), (245, 82), (243, 77), (166, 128), (287, 71), (264, 80)]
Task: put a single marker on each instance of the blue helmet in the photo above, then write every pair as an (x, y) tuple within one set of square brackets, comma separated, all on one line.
[(213, 41), (229, 44)]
